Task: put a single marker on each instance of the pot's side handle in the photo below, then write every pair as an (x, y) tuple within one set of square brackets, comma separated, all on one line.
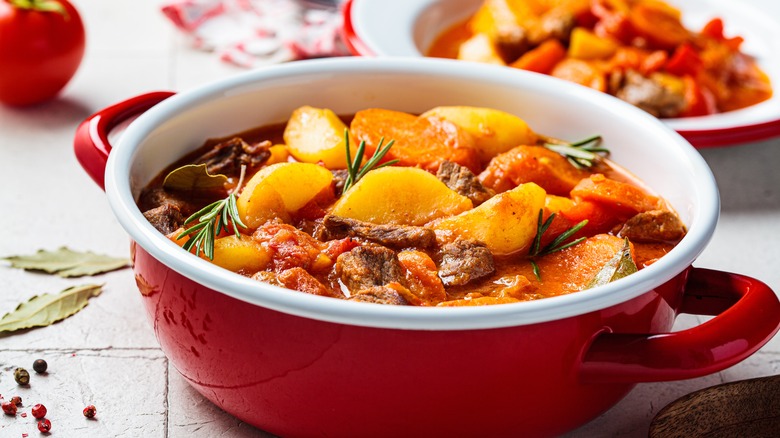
[(91, 143), (747, 316)]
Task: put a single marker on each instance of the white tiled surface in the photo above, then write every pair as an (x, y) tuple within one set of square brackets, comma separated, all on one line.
[(107, 354)]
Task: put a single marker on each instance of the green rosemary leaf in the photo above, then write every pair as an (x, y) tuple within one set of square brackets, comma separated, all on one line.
[(211, 220), (354, 171), (581, 154), (556, 245)]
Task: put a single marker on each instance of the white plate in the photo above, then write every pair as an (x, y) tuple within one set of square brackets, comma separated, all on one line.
[(408, 27)]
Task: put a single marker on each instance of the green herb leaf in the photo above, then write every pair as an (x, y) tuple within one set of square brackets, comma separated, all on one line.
[(354, 172), (193, 177), (619, 266), (556, 245), (581, 154), (46, 309), (211, 220), (67, 263)]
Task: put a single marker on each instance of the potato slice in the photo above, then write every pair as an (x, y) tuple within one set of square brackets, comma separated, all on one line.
[(506, 223), (479, 48), (400, 196), (316, 134), (280, 189), (587, 45), (242, 254), (494, 131)]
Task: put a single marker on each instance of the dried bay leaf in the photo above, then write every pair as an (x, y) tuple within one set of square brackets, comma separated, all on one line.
[(619, 266), (193, 177), (46, 309), (67, 263)]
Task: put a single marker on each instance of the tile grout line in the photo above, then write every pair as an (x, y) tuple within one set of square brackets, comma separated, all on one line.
[(166, 402)]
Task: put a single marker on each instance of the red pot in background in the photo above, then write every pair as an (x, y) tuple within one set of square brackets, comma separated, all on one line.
[(301, 365)]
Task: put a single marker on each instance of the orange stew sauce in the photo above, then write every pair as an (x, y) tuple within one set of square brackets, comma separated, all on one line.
[(452, 223), (637, 50)]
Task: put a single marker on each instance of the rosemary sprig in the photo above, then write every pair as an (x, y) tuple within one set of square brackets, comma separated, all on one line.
[(211, 220), (581, 154), (355, 172), (556, 245)]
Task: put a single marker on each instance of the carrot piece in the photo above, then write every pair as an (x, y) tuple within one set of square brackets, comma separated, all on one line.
[(659, 27), (419, 141), (543, 58), (600, 218), (422, 276), (536, 164), (615, 194)]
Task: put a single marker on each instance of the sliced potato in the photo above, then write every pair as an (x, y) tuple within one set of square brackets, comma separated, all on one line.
[(316, 135), (479, 48), (242, 254), (279, 154), (506, 223), (494, 131), (259, 204), (280, 189), (585, 44), (400, 196)]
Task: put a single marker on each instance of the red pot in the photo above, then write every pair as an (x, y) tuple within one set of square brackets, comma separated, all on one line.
[(301, 365)]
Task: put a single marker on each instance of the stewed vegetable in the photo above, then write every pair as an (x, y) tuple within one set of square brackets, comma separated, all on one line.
[(637, 50), (458, 206)]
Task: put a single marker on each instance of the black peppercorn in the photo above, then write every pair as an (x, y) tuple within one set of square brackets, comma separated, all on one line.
[(21, 376), (40, 366)]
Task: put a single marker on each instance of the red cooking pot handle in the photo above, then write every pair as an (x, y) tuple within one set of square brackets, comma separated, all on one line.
[(91, 141), (747, 316)]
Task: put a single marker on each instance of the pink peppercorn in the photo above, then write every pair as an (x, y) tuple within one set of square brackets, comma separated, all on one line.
[(9, 408), (39, 411), (90, 411), (44, 425)]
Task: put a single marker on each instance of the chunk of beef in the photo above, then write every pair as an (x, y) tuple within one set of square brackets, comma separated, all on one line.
[(649, 95), (157, 197), (227, 157), (653, 226), (368, 266), (379, 295), (463, 261), (166, 218), (396, 236), (463, 181), (339, 179)]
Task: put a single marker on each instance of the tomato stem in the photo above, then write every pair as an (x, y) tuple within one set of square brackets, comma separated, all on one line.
[(41, 5)]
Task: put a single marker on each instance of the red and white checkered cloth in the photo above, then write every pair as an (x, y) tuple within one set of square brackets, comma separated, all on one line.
[(253, 33)]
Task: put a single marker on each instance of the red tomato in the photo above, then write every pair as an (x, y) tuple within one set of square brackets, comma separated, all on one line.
[(41, 46)]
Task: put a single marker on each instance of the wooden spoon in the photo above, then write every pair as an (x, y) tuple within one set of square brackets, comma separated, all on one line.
[(746, 408)]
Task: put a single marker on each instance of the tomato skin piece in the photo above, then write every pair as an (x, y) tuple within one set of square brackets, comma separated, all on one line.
[(40, 52)]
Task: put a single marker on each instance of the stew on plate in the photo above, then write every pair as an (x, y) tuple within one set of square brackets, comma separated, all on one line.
[(458, 206), (636, 50)]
